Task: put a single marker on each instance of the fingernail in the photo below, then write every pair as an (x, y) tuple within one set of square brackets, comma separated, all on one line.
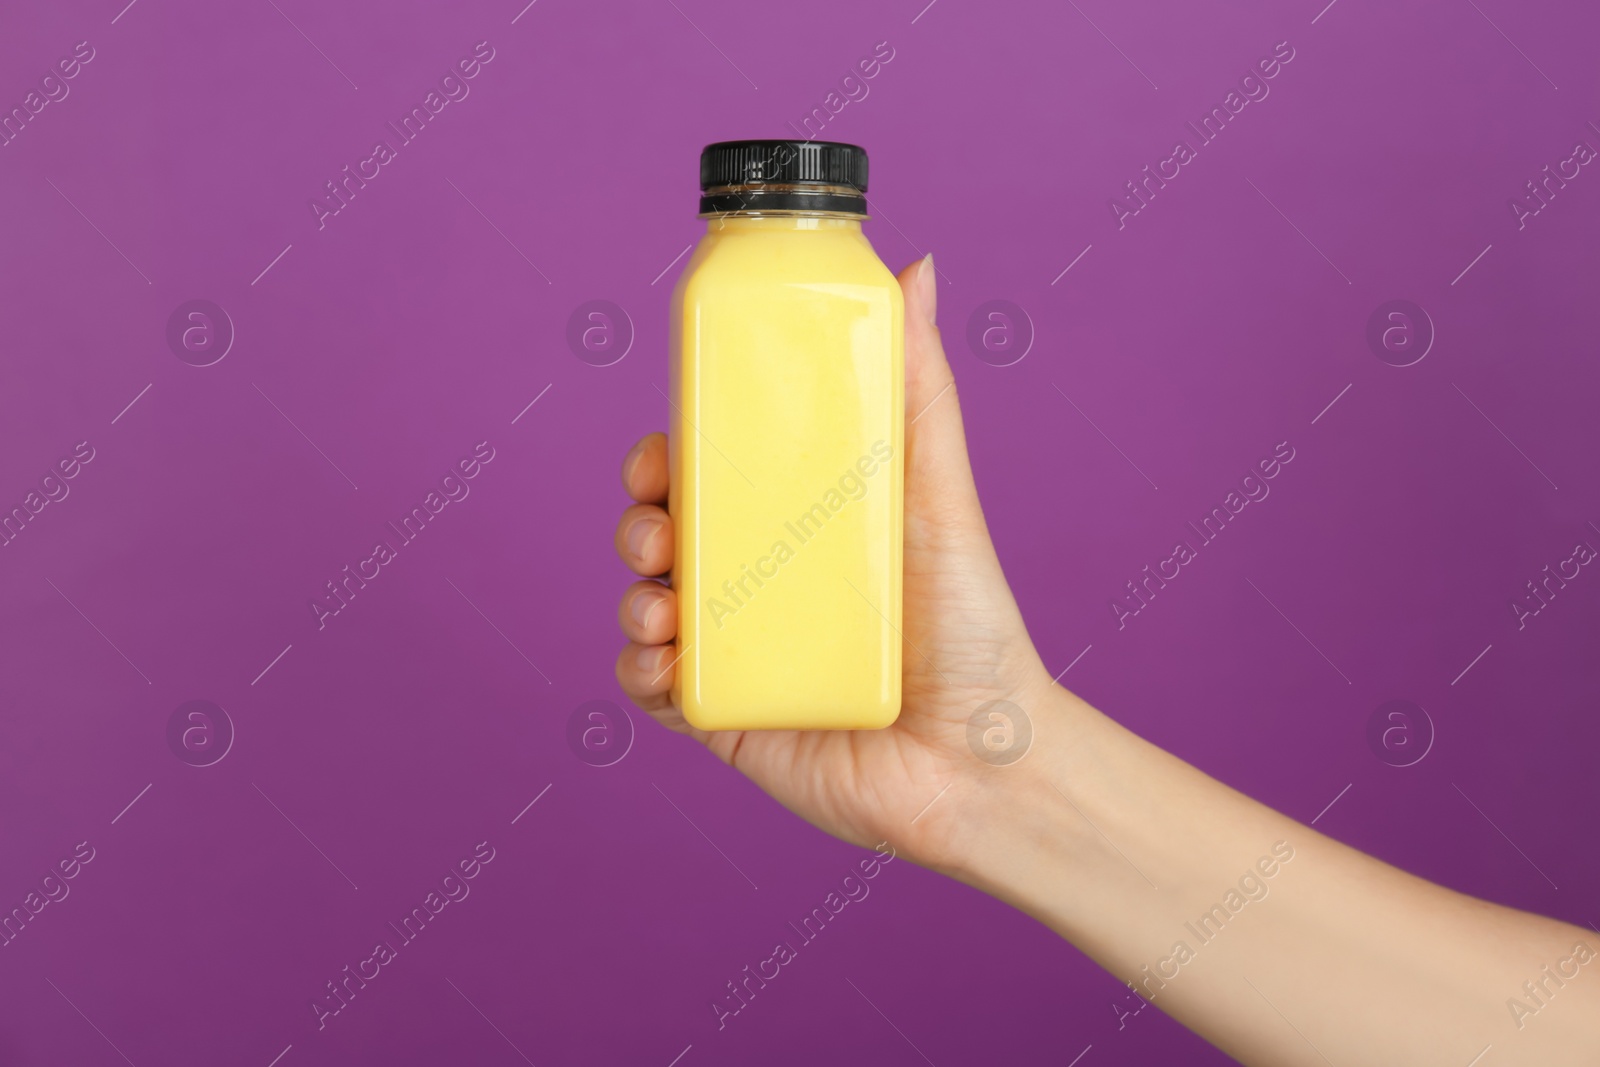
[(640, 535), (928, 289), (649, 659), (631, 461), (644, 605)]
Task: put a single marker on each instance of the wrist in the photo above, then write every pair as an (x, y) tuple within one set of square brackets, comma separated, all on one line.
[(1020, 835)]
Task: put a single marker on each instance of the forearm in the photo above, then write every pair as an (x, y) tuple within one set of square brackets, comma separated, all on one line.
[(1275, 943)]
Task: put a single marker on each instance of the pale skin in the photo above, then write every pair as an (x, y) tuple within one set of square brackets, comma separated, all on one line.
[(1333, 957)]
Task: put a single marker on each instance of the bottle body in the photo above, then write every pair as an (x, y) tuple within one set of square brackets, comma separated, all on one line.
[(786, 477)]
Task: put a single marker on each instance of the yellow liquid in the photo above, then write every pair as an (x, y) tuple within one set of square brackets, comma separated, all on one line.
[(786, 448)]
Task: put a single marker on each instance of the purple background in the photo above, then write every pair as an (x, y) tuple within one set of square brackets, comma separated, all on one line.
[(411, 327)]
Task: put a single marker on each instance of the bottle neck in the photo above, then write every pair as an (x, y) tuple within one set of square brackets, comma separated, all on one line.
[(797, 199), (782, 222)]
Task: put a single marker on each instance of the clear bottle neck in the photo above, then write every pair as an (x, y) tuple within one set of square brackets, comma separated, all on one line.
[(774, 200), (796, 221)]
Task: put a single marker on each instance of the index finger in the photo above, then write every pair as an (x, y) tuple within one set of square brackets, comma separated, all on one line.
[(644, 471)]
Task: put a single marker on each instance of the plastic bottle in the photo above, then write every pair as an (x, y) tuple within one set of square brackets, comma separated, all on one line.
[(788, 397)]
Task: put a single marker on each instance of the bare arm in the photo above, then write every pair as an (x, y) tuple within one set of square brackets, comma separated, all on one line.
[(1273, 942)]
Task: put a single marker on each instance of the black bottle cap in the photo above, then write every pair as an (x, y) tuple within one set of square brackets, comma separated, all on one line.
[(822, 176)]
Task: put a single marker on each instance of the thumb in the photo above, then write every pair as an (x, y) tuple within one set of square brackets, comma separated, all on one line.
[(939, 485), (955, 587)]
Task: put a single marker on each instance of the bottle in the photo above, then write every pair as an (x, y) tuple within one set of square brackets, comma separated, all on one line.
[(786, 450)]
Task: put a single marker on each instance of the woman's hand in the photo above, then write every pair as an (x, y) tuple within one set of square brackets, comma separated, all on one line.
[(1152, 868), (965, 643)]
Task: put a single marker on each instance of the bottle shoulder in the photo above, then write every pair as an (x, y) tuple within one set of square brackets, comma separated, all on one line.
[(723, 264)]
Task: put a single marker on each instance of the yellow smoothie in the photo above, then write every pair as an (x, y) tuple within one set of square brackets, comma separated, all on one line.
[(786, 455)]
